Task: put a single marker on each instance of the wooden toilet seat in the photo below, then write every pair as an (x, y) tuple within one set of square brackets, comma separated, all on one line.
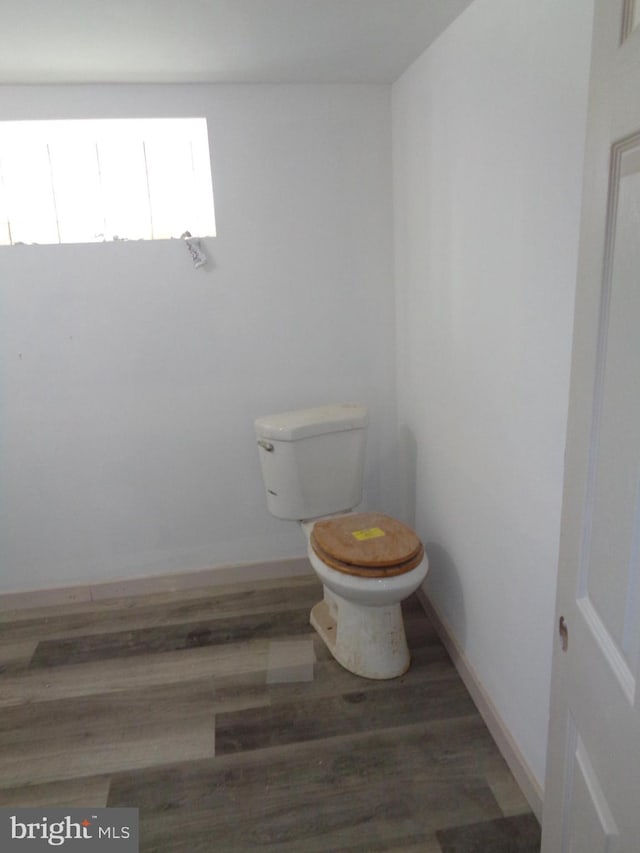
[(368, 544)]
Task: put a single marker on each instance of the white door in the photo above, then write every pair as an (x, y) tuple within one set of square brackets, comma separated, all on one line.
[(592, 791)]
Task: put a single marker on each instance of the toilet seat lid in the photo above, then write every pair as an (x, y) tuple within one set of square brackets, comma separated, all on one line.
[(367, 543)]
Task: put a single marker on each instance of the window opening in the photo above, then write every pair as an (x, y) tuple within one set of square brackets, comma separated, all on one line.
[(95, 180)]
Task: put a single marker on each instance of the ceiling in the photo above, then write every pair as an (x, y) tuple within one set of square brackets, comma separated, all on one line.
[(216, 41)]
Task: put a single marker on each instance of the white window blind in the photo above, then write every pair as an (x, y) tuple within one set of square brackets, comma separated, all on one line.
[(85, 181)]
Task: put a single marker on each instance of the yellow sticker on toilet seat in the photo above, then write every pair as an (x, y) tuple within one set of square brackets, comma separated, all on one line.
[(368, 533)]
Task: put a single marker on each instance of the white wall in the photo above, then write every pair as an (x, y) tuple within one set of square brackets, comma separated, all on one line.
[(488, 133), (131, 380)]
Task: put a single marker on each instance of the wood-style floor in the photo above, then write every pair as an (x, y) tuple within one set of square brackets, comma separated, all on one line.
[(222, 717)]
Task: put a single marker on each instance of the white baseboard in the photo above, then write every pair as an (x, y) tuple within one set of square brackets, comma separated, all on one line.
[(499, 732), (231, 574)]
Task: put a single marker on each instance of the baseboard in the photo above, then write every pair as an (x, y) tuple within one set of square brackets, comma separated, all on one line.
[(498, 730), (228, 574)]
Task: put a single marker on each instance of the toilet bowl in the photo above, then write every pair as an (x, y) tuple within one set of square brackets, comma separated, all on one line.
[(368, 563)]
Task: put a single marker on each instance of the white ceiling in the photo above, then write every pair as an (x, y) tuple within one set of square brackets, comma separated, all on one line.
[(218, 41)]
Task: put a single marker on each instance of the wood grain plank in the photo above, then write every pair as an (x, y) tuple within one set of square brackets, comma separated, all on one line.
[(159, 609), (74, 738), (16, 657), (30, 728), (409, 844), (506, 790), (145, 746), (520, 834), (112, 676), (87, 791), (290, 661), (289, 722), (170, 638)]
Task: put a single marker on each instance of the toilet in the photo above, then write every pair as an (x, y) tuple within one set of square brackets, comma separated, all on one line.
[(312, 464)]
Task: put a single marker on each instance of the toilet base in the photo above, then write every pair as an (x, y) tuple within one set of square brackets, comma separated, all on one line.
[(368, 641)]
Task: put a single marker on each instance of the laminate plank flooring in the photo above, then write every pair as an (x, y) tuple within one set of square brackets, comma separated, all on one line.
[(205, 710)]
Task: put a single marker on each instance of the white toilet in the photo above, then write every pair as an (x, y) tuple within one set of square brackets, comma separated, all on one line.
[(312, 464)]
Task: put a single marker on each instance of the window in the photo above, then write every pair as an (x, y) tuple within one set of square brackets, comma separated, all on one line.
[(87, 181)]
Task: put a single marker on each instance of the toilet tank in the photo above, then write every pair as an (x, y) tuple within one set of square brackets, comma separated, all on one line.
[(313, 460)]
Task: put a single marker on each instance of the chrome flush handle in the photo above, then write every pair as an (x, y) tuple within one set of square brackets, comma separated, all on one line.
[(266, 445)]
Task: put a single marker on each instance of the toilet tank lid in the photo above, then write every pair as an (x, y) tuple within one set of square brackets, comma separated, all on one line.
[(290, 426)]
